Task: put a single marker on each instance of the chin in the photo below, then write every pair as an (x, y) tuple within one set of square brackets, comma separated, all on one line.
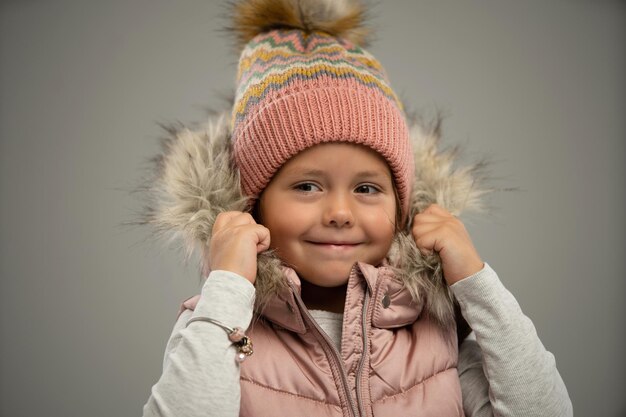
[(328, 278)]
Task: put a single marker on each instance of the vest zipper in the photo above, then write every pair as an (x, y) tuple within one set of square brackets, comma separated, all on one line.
[(337, 355), (363, 354)]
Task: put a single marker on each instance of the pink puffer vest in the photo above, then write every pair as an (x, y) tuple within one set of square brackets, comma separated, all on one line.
[(393, 362)]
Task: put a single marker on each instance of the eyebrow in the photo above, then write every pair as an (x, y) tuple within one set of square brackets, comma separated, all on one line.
[(367, 174), (320, 173), (313, 172)]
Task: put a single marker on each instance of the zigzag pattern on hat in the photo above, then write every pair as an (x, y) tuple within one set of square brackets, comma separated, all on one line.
[(280, 60)]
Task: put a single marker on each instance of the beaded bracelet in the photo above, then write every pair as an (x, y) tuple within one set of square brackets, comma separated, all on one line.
[(235, 335)]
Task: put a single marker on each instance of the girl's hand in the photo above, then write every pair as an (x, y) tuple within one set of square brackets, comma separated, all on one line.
[(235, 242), (436, 230)]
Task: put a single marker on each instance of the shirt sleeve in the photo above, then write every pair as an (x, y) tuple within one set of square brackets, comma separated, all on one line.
[(474, 384), (506, 371), (200, 375)]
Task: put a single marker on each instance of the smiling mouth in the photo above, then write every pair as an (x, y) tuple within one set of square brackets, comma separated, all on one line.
[(335, 245)]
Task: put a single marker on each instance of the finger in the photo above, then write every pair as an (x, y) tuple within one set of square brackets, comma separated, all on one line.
[(427, 238), (191, 302), (428, 243), (232, 219), (429, 218), (241, 219), (223, 218), (256, 234), (263, 236), (188, 304), (437, 209), (418, 230)]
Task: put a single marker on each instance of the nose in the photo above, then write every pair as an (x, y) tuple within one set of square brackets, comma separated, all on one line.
[(338, 211)]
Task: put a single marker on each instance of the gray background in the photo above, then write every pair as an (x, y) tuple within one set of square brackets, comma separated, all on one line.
[(87, 305)]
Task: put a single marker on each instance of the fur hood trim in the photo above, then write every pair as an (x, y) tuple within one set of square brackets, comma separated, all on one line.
[(195, 179)]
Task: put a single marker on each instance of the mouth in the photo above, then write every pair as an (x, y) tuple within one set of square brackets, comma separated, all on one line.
[(334, 244)]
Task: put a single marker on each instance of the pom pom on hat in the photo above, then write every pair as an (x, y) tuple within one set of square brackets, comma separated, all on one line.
[(337, 18)]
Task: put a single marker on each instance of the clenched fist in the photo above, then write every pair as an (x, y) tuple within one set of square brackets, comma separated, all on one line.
[(436, 230), (235, 242)]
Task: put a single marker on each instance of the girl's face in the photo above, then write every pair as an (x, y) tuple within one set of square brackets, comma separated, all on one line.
[(329, 207)]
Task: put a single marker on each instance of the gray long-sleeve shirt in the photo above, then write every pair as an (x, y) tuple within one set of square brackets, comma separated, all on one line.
[(505, 371)]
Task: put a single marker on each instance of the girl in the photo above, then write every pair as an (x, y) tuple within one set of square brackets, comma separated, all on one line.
[(328, 235)]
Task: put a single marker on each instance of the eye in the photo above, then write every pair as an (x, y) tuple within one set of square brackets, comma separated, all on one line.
[(307, 187), (367, 189)]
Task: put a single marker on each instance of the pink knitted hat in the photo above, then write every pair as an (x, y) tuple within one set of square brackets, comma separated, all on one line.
[(303, 80)]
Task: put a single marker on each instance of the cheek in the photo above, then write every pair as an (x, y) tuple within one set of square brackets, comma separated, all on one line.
[(381, 230), (285, 225), (382, 221)]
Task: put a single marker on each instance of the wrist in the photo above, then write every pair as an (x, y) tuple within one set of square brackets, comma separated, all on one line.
[(470, 269)]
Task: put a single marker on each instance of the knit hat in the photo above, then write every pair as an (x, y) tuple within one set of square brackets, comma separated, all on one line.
[(305, 79)]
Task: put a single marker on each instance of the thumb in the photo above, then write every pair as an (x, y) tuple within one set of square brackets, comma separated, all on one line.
[(263, 239)]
